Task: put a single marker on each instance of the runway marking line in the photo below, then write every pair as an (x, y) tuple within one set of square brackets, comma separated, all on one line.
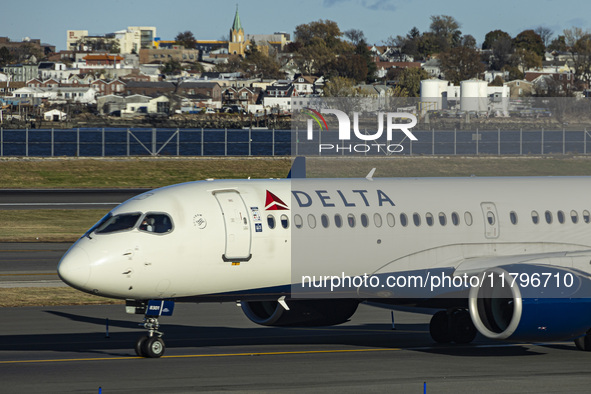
[(205, 355)]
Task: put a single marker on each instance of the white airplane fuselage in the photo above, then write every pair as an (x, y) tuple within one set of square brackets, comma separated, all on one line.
[(192, 260), (232, 240)]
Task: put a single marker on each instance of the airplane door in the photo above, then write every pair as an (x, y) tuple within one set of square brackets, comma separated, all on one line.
[(236, 222), (491, 220)]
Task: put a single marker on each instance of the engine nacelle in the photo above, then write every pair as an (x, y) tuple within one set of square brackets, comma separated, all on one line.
[(556, 307), (308, 313)]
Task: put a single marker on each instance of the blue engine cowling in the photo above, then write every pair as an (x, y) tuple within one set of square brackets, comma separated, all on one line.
[(558, 307)]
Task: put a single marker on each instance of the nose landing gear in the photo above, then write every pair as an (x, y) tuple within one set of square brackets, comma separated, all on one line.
[(151, 345)]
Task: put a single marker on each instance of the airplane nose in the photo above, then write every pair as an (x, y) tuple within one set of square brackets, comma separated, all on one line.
[(74, 267)]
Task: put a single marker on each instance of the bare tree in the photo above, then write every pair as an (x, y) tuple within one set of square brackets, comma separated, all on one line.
[(545, 33)]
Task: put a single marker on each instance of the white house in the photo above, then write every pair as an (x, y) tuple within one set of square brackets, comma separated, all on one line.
[(57, 95), (54, 115)]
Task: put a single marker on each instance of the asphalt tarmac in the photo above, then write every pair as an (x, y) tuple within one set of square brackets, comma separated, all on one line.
[(213, 348), (65, 199), (30, 264)]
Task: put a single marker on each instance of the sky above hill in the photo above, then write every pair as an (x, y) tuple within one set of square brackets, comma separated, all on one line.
[(378, 19)]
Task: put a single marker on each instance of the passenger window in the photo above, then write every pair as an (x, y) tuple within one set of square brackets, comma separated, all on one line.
[(548, 215), (324, 220), (312, 221), (377, 219), (403, 219), (560, 217), (338, 220), (574, 216), (351, 220), (513, 217), (271, 221), (586, 216), (490, 217), (364, 220), (157, 223), (535, 218), (455, 218), (442, 219), (468, 218), (298, 221), (416, 218), (284, 221), (391, 220), (429, 219)]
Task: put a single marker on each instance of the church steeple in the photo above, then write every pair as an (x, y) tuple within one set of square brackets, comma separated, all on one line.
[(236, 25), (237, 44)]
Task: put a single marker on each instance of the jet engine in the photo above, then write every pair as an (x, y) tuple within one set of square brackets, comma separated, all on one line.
[(531, 303)]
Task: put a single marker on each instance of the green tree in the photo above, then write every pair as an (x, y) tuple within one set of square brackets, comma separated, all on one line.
[(558, 44), (410, 80), (525, 59), (186, 39), (461, 63), (234, 64), (492, 36), (363, 51), (5, 56), (498, 81), (171, 67), (259, 64), (531, 41), (447, 31), (351, 66), (339, 87)]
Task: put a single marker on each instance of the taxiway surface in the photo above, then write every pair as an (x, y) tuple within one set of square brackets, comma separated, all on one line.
[(213, 347)]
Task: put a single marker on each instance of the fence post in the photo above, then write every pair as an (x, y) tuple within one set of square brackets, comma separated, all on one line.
[(1, 142), (499, 141), (226, 141), (27, 142), (178, 142), (585, 141), (202, 141), (521, 141), (78, 142), (433, 142), (273, 144), (153, 141), (103, 141), (477, 142), (455, 141), (563, 142), (542, 149), (250, 141), (128, 142), (52, 143)]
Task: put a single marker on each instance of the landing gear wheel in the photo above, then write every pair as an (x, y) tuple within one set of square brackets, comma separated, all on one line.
[(462, 328), (439, 327), (584, 342), (153, 347), (139, 345)]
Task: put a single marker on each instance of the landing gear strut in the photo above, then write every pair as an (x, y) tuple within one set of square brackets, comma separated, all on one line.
[(151, 345), (453, 325)]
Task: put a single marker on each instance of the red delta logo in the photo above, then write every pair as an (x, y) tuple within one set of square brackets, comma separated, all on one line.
[(274, 203)]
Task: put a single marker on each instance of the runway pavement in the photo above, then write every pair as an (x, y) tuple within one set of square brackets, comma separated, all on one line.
[(213, 347), (30, 264), (65, 199)]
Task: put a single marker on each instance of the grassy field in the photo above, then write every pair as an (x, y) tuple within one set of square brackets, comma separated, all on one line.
[(67, 226)]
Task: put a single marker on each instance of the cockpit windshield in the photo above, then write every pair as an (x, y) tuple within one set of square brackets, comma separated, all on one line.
[(111, 224)]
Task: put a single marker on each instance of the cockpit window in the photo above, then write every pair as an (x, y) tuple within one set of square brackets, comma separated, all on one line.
[(111, 224), (157, 223)]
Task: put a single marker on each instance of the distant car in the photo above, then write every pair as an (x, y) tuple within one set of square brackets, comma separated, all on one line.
[(209, 111)]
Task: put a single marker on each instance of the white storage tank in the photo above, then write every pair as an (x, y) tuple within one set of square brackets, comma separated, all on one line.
[(433, 94), (473, 95)]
